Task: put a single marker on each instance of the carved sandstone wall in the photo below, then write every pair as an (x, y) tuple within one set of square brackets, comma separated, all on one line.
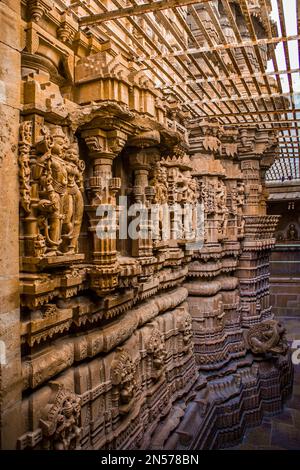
[(113, 336)]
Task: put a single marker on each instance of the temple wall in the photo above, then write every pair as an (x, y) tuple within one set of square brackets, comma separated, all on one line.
[(110, 340)]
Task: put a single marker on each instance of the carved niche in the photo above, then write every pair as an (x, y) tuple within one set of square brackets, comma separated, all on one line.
[(60, 421), (156, 353), (214, 197), (185, 327), (237, 202), (183, 192), (51, 187), (123, 371), (159, 181), (183, 187)]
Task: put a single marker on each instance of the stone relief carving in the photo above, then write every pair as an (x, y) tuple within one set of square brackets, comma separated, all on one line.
[(24, 164), (212, 133), (267, 337), (160, 182), (51, 193), (156, 350), (123, 372), (288, 234), (183, 187), (185, 326), (51, 186), (240, 202), (221, 207), (292, 233), (60, 422), (208, 197)]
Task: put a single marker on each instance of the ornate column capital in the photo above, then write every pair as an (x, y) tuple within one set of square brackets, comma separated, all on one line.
[(38, 8), (145, 139), (97, 143), (205, 137)]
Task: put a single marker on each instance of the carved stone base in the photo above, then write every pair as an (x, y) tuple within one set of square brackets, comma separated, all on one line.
[(220, 407)]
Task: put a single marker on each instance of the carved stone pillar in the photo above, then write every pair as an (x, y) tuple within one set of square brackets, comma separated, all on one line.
[(142, 157), (102, 187), (234, 187), (38, 8), (206, 148), (51, 185), (253, 270), (251, 148)]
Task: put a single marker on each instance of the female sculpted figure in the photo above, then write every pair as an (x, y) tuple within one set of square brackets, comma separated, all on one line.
[(57, 185), (240, 205), (59, 172), (222, 210), (73, 201)]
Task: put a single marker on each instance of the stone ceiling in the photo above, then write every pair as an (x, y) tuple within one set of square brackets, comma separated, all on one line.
[(211, 59)]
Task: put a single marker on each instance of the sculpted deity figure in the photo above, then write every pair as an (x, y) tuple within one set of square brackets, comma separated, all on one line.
[(73, 203), (240, 202), (60, 421), (208, 197), (234, 205), (221, 207), (68, 433), (24, 164), (188, 188), (160, 184), (292, 233), (193, 192), (185, 327), (58, 172), (123, 372)]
